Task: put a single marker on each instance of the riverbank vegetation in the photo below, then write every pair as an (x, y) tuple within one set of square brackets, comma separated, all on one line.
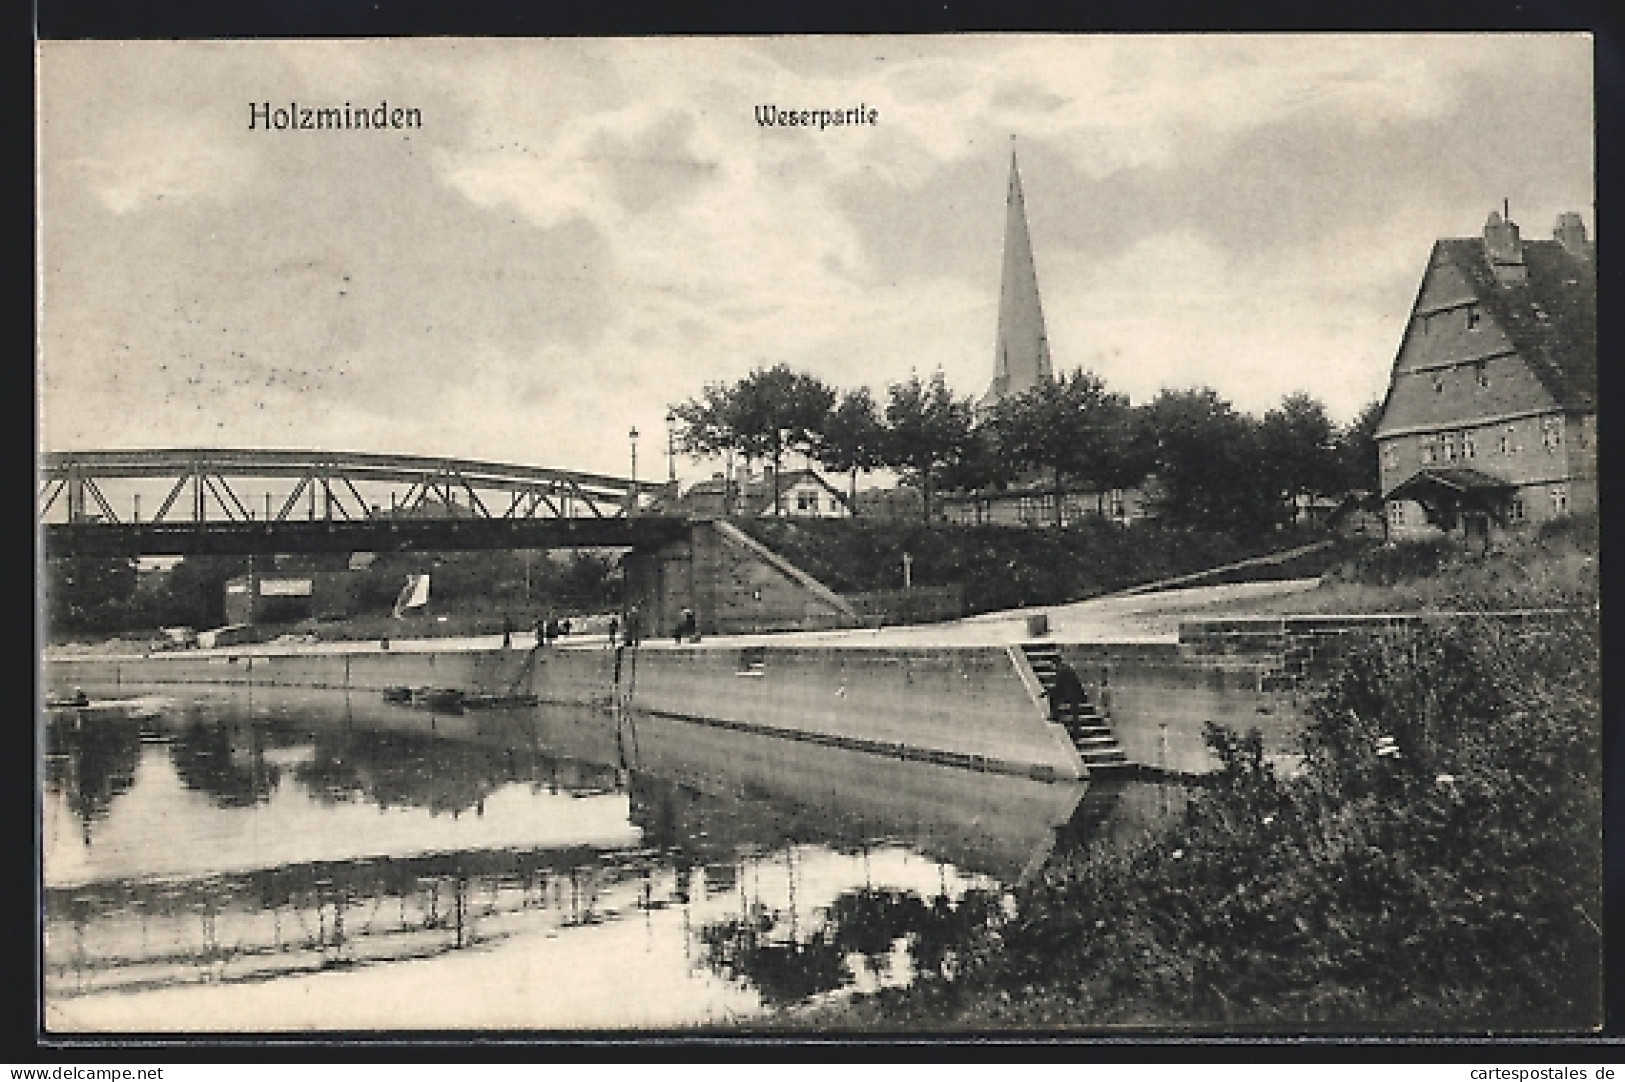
[(1003, 567), (1554, 565), (1434, 867)]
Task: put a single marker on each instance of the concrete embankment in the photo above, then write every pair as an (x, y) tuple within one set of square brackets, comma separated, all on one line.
[(969, 703), (1159, 699), (976, 707)]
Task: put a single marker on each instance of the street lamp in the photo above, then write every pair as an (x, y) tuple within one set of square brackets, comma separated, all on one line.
[(633, 436), (671, 446)]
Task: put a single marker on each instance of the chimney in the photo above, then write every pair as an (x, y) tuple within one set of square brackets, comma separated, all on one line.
[(1571, 233), (1503, 250)]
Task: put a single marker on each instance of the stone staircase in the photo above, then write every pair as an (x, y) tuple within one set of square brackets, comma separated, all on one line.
[(1091, 732)]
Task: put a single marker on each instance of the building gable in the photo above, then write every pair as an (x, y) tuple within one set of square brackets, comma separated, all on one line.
[(1478, 349), (1495, 378)]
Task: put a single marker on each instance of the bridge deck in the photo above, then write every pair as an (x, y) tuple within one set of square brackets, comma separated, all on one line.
[(111, 539)]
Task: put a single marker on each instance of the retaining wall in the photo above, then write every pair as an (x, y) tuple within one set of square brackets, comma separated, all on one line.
[(964, 703), (471, 670), (1158, 701), (962, 706)]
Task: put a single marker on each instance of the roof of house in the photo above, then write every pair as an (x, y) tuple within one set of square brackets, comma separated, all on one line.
[(1458, 480), (761, 499), (758, 491), (1551, 318)]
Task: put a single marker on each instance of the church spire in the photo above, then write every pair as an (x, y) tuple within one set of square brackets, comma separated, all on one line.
[(1021, 357)]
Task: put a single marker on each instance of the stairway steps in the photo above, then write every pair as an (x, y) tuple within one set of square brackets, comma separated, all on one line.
[(1088, 728)]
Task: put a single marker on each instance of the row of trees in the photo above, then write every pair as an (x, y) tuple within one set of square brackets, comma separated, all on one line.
[(1214, 466)]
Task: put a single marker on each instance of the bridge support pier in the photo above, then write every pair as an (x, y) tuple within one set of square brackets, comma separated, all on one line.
[(731, 582)]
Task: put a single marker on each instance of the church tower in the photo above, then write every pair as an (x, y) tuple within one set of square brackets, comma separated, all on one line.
[(1021, 358)]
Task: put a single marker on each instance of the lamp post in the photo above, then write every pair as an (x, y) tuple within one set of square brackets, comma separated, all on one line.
[(671, 446), (632, 435)]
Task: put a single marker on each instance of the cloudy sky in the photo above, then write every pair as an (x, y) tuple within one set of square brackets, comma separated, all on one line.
[(584, 231)]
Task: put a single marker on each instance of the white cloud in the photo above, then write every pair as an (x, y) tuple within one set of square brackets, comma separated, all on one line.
[(166, 156)]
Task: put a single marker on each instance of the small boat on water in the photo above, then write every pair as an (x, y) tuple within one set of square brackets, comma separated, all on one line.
[(498, 702), (445, 700), (455, 701), (82, 707)]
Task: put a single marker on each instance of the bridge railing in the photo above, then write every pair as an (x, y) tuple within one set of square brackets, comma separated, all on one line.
[(214, 485)]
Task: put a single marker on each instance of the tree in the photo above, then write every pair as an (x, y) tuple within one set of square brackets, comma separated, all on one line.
[(927, 429), (1296, 442), (89, 593), (1207, 458), (853, 439), (195, 590), (1355, 450), (1070, 427), (769, 412), (976, 467), (705, 425)]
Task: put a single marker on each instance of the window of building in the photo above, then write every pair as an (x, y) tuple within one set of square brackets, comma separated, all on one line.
[(1509, 442), (1468, 448), (1472, 318), (1396, 513), (806, 501), (1438, 383), (1560, 499), (1515, 510), (1448, 446), (1390, 456), (1481, 371), (1551, 433), (1430, 451)]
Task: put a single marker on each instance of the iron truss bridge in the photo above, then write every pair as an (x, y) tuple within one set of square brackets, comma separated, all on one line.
[(257, 501)]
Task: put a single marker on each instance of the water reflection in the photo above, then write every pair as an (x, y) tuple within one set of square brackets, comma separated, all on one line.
[(868, 937), (225, 761), (245, 837), (92, 765)]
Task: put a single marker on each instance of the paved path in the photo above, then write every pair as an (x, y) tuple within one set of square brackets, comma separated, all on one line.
[(1141, 618), (1150, 617)]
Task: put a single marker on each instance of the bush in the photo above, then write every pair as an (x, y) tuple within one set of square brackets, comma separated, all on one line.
[(1005, 567), (1402, 561)]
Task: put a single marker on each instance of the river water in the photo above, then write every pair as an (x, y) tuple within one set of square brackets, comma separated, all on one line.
[(225, 859)]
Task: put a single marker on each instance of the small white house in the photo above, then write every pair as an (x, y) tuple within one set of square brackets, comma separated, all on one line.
[(804, 494)]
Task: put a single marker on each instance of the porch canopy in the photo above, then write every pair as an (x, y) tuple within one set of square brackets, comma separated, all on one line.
[(1448, 493)]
